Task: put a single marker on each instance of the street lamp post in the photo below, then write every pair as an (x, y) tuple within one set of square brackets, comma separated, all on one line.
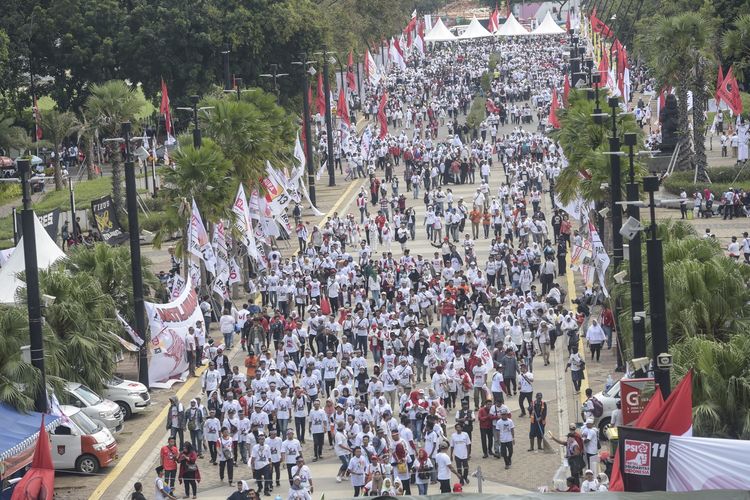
[(306, 126), (73, 208), (32, 288), (194, 109), (135, 256), (615, 186), (634, 256), (225, 60), (654, 252), (275, 75), (329, 119)]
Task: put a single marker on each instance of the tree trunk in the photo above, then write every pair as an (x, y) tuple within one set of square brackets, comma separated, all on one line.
[(683, 131), (90, 170), (117, 194), (699, 121), (58, 172)]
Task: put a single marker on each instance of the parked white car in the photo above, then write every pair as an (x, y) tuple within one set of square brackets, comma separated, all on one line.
[(93, 405), (609, 401), (132, 397)]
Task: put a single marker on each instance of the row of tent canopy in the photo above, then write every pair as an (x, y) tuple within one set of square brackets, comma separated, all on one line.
[(511, 27)]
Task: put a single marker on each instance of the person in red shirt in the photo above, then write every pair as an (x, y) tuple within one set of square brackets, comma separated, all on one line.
[(608, 323), (486, 428), (168, 456), (448, 314), (572, 484)]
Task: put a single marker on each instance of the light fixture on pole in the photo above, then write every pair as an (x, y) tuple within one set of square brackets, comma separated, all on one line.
[(307, 70), (194, 109), (275, 75)]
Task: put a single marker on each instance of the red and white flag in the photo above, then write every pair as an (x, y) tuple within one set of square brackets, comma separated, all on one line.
[(371, 69), (719, 81), (494, 23), (396, 54), (164, 110), (553, 120), (729, 92), (567, 22), (37, 120), (342, 110), (382, 119), (351, 80), (566, 90)]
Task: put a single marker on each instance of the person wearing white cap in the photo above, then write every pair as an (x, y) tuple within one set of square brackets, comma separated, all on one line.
[(590, 435), (589, 484), (260, 464)]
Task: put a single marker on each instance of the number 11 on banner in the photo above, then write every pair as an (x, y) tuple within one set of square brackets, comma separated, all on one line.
[(658, 450)]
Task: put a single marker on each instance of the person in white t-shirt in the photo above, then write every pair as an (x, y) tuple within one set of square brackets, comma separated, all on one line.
[(590, 435), (461, 451), (260, 464), (290, 450), (444, 468), (341, 449), (161, 491), (358, 468), (589, 484), (506, 436)]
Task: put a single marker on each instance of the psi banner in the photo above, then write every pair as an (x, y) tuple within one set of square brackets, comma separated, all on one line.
[(169, 325), (644, 459)]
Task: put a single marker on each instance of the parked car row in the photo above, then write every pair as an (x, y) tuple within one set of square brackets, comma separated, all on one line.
[(84, 440)]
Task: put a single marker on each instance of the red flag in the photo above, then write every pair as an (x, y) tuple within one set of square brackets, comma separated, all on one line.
[(342, 110), (164, 108), (566, 90), (553, 120), (603, 69), (599, 27), (321, 101), (351, 81), (39, 481), (729, 92), (494, 22), (37, 120), (567, 22), (719, 81), (381, 115)]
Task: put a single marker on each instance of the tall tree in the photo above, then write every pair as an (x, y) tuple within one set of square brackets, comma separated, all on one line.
[(109, 105), (11, 137), (57, 127), (736, 47)]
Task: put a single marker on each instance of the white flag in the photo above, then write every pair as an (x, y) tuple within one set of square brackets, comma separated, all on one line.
[(485, 355), (601, 259), (234, 272), (178, 285), (299, 153), (222, 260), (199, 245), (254, 205), (243, 221), (194, 271), (322, 169)]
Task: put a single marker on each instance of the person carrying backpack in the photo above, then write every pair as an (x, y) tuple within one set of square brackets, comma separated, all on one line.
[(592, 407)]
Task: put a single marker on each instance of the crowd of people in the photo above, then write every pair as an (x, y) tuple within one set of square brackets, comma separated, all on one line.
[(391, 358)]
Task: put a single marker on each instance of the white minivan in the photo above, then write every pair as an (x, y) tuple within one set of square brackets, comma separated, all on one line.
[(132, 397), (93, 405), (80, 443)]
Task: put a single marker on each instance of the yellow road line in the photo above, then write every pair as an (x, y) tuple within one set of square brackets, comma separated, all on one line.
[(148, 433), (158, 422), (570, 277)]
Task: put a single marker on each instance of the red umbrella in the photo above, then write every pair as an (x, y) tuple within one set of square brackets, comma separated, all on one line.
[(39, 482)]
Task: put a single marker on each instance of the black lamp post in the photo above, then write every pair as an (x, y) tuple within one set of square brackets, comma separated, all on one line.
[(135, 257), (634, 256), (33, 299), (306, 125), (615, 184), (275, 75), (225, 60), (329, 119), (196, 127), (654, 252)]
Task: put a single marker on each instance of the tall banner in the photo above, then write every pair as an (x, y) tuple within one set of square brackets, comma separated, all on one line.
[(234, 272), (644, 459), (169, 325), (198, 244), (601, 259), (222, 260), (107, 223), (243, 222), (178, 285)]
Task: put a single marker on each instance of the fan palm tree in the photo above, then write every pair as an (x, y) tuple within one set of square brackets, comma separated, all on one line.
[(721, 384), (249, 132), (109, 105), (81, 319), (736, 46), (57, 127), (111, 268)]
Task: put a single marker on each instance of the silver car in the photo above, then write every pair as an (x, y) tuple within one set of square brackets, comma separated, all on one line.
[(94, 406), (132, 397)]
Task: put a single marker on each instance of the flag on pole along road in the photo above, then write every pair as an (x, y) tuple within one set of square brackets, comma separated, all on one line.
[(351, 79), (485, 355), (199, 244), (566, 90), (342, 110), (719, 81), (234, 272), (601, 259), (553, 120), (320, 102), (729, 92), (222, 260), (194, 270), (381, 115), (254, 205), (178, 285), (244, 224), (371, 69), (299, 153), (164, 110)]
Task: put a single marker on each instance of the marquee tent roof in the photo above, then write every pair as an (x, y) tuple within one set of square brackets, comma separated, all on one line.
[(475, 30), (439, 33), (511, 27), (47, 253), (548, 27)]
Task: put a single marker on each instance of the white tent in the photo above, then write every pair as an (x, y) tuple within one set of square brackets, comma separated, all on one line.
[(439, 33), (475, 30), (47, 253), (548, 27), (511, 27)]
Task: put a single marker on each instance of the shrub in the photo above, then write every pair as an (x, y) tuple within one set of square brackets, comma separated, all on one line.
[(722, 179)]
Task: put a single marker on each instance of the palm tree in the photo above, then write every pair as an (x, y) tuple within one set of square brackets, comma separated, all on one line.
[(111, 268), (57, 127), (249, 132), (736, 46), (721, 384), (676, 49), (109, 105)]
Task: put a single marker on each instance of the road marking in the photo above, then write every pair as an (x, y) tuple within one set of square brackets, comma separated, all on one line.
[(134, 450), (337, 204)]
